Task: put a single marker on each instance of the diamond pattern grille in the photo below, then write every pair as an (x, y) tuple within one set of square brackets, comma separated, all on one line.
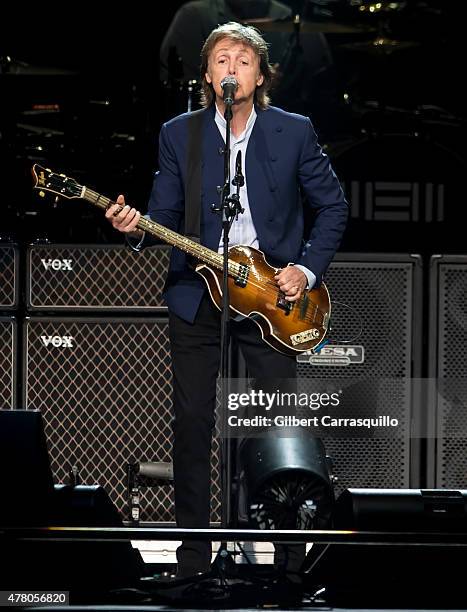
[(8, 277), (100, 278), (381, 292), (106, 402), (7, 363), (451, 409)]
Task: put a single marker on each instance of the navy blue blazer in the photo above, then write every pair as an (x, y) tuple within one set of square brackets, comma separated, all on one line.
[(283, 154)]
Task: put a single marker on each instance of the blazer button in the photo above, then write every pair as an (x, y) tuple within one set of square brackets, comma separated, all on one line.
[(279, 128), (273, 158), (272, 188)]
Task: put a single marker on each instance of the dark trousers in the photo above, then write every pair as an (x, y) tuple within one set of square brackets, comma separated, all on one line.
[(195, 350)]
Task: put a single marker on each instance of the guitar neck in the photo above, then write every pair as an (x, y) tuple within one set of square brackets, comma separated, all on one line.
[(163, 233)]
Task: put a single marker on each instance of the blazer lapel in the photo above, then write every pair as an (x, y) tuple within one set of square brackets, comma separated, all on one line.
[(213, 176), (261, 182)]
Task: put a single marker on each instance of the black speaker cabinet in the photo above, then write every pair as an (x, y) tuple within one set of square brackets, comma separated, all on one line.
[(7, 362), (26, 479), (398, 575), (379, 294), (80, 566), (447, 401), (9, 269), (96, 278), (104, 389)]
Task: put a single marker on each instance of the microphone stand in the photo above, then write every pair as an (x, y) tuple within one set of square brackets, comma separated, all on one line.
[(229, 208)]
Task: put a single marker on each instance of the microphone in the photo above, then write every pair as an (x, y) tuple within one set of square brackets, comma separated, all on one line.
[(229, 87)]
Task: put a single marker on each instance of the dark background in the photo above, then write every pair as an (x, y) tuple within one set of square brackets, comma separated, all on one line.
[(96, 70)]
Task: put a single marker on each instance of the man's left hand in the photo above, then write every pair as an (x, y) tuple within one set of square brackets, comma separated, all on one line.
[(292, 282)]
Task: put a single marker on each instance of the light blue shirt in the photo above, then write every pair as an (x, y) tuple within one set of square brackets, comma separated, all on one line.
[(243, 229)]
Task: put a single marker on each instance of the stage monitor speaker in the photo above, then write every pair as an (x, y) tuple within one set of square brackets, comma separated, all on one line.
[(9, 271), (398, 576), (104, 388), (382, 294), (8, 362), (447, 401), (26, 479), (96, 278), (417, 510), (32, 500)]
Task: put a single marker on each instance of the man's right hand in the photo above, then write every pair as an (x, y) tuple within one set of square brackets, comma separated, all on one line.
[(126, 220)]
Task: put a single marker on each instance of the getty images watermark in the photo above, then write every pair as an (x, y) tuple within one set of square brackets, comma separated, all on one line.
[(345, 408), (313, 401)]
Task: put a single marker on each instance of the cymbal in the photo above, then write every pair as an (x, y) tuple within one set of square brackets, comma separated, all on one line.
[(290, 25), (378, 7), (381, 45)]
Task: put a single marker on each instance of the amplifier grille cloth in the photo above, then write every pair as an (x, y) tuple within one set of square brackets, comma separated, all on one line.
[(97, 278), (452, 370), (384, 292), (8, 271), (106, 402), (7, 363)]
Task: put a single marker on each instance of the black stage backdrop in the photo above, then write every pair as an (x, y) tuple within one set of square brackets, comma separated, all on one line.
[(80, 92)]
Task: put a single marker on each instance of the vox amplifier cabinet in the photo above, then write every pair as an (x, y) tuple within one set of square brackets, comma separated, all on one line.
[(104, 388), (9, 269), (99, 278), (8, 362)]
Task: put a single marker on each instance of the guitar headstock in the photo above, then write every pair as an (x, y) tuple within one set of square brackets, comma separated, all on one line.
[(59, 184)]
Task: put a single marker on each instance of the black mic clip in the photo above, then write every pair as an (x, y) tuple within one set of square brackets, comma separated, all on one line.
[(238, 180), (235, 208)]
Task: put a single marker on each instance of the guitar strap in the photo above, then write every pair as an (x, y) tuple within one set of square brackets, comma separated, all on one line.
[(193, 176)]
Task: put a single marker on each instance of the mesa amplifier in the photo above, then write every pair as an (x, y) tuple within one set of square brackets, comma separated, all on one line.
[(9, 267), (96, 278), (447, 401), (104, 388), (7, 362), (379, 295)]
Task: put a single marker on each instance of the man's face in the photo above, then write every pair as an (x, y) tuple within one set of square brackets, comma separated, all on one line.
[(236, 59)]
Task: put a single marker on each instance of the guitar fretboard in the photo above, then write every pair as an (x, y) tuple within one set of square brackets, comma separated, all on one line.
[(202, 253)]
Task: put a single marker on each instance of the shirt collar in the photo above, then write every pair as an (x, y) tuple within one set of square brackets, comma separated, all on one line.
[(221, 122)]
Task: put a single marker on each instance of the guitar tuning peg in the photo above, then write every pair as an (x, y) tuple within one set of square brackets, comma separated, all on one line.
[(42, 194), (56, 200)]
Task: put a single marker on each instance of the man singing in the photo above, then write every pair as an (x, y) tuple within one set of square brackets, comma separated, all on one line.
[(285, 169)]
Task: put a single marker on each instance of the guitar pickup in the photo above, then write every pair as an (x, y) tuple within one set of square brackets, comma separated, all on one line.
[(282, 303), (304, 336), (242, 277)]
